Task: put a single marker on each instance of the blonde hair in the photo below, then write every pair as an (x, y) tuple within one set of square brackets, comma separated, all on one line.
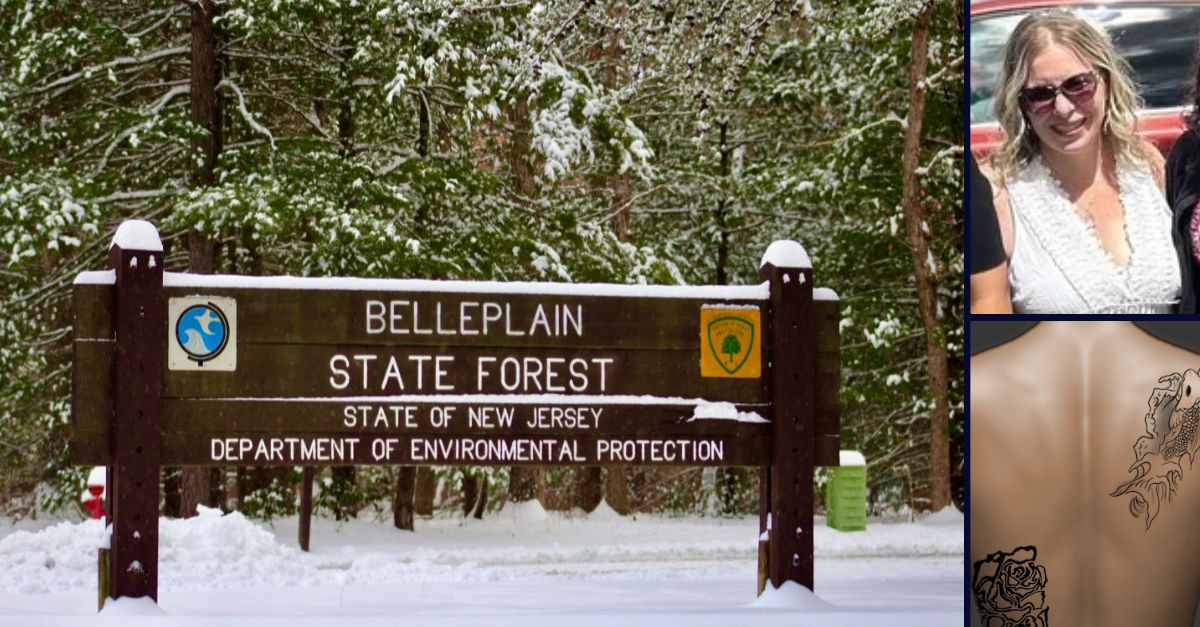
[(1032, 35)]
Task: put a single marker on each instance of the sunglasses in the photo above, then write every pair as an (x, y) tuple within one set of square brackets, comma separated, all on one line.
[(1078, 89)]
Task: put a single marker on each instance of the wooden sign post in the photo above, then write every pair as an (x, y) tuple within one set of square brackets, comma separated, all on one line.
[(178, 369), (790, 391)]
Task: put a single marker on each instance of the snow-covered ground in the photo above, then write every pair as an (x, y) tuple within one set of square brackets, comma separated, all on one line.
[(519, 567)]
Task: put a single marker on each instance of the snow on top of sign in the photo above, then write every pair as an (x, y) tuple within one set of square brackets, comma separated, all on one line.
[(851, 458), (96, 277), (721, 306), (97, 477), (137, 235), (724, 411), (213, 281), (790, 596), (786, 254), (825, 293), (514, 399)]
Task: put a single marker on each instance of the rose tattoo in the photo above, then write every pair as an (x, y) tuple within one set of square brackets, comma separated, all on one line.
[(1159, 453), (1011, 589)]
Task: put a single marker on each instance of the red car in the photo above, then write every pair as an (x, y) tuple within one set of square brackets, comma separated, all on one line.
[(1158, 38)]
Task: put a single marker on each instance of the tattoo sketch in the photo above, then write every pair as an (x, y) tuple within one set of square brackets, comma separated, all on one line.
[(1010, 589), (1170, 436)]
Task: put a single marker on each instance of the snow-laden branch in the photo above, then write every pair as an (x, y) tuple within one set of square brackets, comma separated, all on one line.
[(118, 62), (949, 151), (262, 130), (397, 162), (140, 195), (167, 16), (890, 118), (168, 97), (154, 110), (122, 136), (932, 80)]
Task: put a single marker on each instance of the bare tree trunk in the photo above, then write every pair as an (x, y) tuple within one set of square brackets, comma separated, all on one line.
[(729, 482), (304, 532), (402, 505), (481, 500), (616, 489), (470, 489), (613, 59), (426, 486), (525, 485), (619, 184), (593, 484), (172, 494), (525, 482), (519, 148), (722, 202), (588, 489), (919, 234), (347, 128), (414, 487), (197, 485), (206, 73), (197, 489)]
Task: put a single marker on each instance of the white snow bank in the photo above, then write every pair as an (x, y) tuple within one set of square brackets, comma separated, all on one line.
[(524, 513), (724, 411), (125, 606), (790, 596), (229, 552), (603, 511), (786, 254), (60, 558), (137, 235), (213, 550), (947, 516), (851, 458)]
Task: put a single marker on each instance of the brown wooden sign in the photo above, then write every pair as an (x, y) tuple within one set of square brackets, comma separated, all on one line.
[(254, 371)]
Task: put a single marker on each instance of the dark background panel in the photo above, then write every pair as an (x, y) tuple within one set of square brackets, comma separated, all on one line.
[(987, 334)]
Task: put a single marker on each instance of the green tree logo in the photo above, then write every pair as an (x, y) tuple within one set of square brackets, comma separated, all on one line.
[(729, 339), (731, 346)]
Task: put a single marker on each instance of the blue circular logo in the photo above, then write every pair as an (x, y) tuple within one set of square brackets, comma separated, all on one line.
[(202, 331)]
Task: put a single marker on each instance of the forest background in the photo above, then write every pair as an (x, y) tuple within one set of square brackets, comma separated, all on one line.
[(660, 142)]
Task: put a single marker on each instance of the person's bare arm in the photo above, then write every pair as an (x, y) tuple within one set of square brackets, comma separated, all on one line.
[(989, 291)]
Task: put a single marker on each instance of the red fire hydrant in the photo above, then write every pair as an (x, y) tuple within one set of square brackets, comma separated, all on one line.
[(93, 495)]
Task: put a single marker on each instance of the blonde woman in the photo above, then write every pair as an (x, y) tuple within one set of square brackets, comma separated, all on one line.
[(1078, 194)]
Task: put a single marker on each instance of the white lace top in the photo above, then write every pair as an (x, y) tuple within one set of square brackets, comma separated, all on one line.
[(1059, 265)]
